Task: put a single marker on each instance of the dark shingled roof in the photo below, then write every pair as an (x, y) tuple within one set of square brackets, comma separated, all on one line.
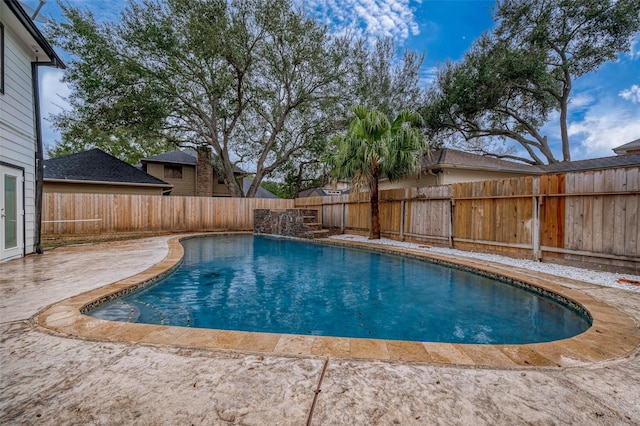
[(320, 192), (447, 157), (594, 164), (260, 193), (173, 157), (96, 165), (627, 146)]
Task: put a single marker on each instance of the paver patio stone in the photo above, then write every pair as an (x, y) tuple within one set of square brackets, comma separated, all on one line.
[(50, 378)]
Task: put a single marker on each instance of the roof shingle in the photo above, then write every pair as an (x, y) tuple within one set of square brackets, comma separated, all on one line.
[(622, 149), (174, 157), (593, 164), (98, 166)]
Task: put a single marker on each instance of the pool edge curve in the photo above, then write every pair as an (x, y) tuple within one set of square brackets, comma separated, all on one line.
[(612, 335)]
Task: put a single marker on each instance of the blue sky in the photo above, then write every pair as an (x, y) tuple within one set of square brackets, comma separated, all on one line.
[(605, 107)]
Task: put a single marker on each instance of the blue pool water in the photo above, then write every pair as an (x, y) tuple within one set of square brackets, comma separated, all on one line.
[(258, 283)]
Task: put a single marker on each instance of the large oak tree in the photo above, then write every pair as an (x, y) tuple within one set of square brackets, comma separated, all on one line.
[(253, 79), (514, 76), (377, 78)]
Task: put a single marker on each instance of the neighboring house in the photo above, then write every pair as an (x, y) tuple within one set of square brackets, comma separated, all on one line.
[(95, 171), (446, 166), (332, 188), (321, 192), (628, 148), (23, 49), (180, 168)]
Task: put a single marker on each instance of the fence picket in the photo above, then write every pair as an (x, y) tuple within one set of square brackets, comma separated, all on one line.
[(584, 216)]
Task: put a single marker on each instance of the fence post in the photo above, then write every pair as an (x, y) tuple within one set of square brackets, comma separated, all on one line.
[(403, 211), (535, 231), (452, 204), (344, 209)]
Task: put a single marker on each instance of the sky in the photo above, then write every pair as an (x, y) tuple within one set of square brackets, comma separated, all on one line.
[(605, 105)]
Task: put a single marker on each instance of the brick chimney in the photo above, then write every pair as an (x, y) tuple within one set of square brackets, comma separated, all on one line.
[(204, 172)]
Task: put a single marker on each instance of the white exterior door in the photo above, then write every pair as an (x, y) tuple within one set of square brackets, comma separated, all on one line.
[(11, 213)]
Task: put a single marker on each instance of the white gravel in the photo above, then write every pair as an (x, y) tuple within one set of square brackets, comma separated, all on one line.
[(607, 279)]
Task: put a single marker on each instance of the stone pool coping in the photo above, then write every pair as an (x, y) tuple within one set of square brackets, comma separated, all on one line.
[(612, 335)]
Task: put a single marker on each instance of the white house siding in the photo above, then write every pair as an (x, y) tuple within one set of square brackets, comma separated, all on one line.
[(451, 176), (448, 176), (409, 182), (17, 127)]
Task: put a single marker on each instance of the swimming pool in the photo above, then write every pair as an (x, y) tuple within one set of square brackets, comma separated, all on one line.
[(256, 283)]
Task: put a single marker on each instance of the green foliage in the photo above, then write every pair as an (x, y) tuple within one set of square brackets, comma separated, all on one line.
[(253, 80), (383, 82), (373, 142), (577, 36), (280, 189), (489, 94), (377, 79), (119, 143), (515, 76), (374, 147)]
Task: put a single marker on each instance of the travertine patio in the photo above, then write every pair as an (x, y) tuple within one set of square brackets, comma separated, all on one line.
[(49, 378)]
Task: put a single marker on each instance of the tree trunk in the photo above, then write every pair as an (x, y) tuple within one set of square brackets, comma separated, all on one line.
[(564, 108), (255, 184), (234, 187), (374, 234)]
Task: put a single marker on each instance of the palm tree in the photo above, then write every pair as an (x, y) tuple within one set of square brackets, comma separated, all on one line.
[(374, 147)]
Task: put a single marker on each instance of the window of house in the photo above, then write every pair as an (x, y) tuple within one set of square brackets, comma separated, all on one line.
[(1, 58), (173, 172)]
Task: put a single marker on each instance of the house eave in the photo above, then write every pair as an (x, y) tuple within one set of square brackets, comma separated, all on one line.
[(143, 161), (100, 182), (481, 169), (34, 32)]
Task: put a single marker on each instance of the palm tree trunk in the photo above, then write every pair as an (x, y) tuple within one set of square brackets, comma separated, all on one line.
[(374, 234)]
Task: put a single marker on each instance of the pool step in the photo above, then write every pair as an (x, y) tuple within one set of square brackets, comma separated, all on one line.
[(315, 227)]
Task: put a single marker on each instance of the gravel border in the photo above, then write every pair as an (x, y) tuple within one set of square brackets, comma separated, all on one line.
[(607, 279)]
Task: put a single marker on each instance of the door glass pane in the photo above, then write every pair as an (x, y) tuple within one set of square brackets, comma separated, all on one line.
[(11, 212)]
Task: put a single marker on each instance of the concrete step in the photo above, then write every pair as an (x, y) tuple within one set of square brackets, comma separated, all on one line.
[(321, 233)]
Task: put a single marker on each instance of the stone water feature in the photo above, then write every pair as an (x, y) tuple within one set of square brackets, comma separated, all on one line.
[(300, 223)]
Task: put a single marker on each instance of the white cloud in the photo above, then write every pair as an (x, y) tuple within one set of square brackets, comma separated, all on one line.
[(580, 100), (603, 128), (631, 94), (378, 18)]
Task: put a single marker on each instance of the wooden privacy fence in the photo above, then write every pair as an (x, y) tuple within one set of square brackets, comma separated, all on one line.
[(569, 218), (412, 213), (572, 218), (106, 213)]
